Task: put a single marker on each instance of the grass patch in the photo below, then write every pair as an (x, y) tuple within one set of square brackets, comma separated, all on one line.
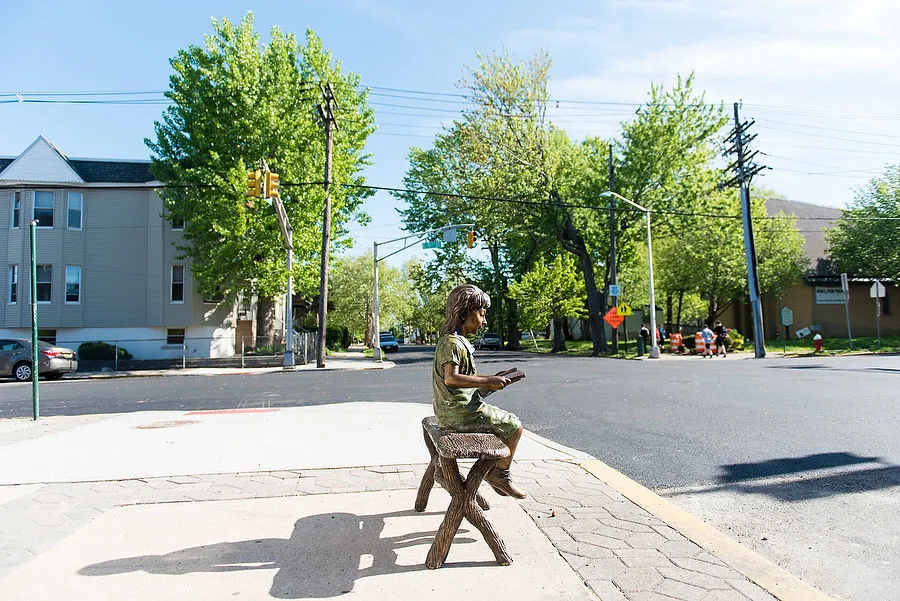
[(833, 346), (796, 348)]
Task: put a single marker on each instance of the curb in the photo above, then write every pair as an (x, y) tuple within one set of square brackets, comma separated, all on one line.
[(774, 579)]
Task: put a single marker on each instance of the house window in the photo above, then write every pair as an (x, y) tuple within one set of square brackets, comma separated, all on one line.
[(73, 284), (76, 201), (44, 283), (43, 208), (16, 205), (13, 280), (48, 336), (177, 224), (175, 336), (177, 294)]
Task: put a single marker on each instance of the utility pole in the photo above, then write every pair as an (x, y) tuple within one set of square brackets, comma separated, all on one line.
[(326, 112), (613, 275), (745, 169)]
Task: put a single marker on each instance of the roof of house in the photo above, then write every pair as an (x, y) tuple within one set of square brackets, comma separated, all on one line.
[(812, 220), (88, 170)]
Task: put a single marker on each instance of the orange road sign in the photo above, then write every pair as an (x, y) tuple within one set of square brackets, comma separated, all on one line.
[(613, 318)]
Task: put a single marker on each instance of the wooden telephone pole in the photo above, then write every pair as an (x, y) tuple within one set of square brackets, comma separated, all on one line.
[(326, 112)]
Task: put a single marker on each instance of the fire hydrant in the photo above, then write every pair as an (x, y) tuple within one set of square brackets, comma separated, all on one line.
[(817, 342)]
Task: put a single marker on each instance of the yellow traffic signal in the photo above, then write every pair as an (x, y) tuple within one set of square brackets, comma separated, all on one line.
[(272, 185), (254, 183), (470, 239)]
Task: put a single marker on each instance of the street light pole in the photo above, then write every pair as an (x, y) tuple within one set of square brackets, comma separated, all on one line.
[(376, 342), (654, 346)]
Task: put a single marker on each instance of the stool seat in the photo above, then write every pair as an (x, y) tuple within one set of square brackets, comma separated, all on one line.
[(465, 501)]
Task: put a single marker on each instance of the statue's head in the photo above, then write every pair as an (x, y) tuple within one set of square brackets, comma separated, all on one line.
[(463, 300)]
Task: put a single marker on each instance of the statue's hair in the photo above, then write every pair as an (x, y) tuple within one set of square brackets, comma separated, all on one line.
[(462, 301)]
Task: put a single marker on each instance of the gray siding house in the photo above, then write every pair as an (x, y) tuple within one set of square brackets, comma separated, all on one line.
[(107, 266)]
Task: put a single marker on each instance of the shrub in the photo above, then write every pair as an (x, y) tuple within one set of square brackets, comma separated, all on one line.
[(335, 337), (101, 351), (734, 341)]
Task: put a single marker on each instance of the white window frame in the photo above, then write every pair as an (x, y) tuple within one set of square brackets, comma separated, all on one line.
[(15, 203), (80, 197), (76, 269), (52, 207), (177, 224), (49, 269), (12, 284), (173, 283)]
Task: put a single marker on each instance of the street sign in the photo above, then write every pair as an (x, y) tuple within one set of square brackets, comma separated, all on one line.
[(450, 235), (432, 244), (615, 290), (625, 310), (802, 332), (877, 290), (613, 318), (787, 316)]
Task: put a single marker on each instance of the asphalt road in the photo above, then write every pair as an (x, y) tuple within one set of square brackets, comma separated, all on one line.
[(796, 458)]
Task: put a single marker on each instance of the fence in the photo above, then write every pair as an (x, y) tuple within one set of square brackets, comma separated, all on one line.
[(190, 351)]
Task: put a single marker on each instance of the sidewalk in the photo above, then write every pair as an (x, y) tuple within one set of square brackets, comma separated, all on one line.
[(316, 502), (352, 359)]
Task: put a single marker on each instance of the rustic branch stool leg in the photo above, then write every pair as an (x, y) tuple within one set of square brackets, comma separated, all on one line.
[(433, 473), (475, 515), (452, 519), (430, 472)]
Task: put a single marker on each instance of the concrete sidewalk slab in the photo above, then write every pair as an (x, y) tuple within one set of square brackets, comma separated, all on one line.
[(169, 443), (309, 547)]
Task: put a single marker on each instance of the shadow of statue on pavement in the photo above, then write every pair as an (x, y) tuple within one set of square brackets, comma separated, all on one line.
[(323, 557)]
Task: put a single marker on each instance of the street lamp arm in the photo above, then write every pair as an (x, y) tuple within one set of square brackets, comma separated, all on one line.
[(610, 193), (417, 237)]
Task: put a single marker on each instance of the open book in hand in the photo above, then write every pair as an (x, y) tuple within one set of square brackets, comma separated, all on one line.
[(513, 375)]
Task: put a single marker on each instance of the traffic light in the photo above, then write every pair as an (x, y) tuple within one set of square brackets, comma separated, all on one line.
[(254, 183), (470, 239), (272, 185)]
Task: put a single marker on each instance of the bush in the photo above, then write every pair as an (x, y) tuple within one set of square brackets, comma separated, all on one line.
[(102, 351), (337, 338), (734, 341)]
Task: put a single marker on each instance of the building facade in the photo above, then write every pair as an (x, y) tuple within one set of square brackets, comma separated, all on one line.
[(107, 264), (817, 303)]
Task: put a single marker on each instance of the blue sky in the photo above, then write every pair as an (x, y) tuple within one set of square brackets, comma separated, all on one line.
[(821, 78)]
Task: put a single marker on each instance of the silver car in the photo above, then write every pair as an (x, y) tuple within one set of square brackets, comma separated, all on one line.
[(53, 361)]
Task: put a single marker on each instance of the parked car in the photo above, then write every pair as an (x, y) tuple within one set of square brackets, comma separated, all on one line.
[(489, 340), (388, 343), (53, 361)]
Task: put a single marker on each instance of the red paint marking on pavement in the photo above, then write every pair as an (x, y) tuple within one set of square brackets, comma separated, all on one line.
[(224, 411)]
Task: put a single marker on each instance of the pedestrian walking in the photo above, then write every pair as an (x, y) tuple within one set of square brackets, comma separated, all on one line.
[(721, 332), (708, 336)]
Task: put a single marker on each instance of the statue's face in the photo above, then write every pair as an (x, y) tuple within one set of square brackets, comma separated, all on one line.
[(474, 322)]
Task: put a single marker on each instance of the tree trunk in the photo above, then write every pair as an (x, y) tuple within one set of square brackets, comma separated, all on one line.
[(573, 242), (669, 312), (559, 340), (513, 342), (265, 322), (680, 301), (498, 293)]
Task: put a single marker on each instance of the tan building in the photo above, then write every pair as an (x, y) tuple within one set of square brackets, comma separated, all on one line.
[(818, 303)]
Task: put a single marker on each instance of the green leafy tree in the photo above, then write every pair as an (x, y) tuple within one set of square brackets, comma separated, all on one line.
[(553, 291), (351, 285), (236, 103), (865, 240)]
